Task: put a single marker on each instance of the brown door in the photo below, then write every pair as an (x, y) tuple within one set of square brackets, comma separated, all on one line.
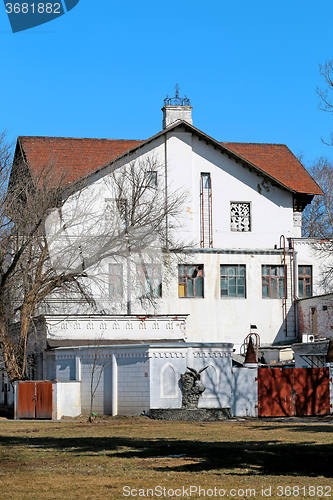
[(34, 400), (43, 399), (26, 400)]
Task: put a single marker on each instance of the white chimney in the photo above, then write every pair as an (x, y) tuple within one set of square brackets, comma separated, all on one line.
[(176, 108)]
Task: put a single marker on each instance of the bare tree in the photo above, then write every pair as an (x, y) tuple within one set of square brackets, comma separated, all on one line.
[(98, 361), (318, 216), (54, 237), (326, 94)]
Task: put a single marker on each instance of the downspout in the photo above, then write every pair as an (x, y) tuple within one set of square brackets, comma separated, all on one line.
[(211, 213), (166, 190), (202, 216), (295, 296)]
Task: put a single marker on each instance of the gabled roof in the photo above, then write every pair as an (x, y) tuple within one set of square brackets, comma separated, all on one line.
[(78, 158), (278, 161)]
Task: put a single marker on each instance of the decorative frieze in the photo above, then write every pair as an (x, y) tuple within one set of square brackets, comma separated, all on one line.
[(61, 357), (164, 354), (116, 327)]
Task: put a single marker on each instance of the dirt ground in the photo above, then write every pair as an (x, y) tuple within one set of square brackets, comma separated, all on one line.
[(136, 457)]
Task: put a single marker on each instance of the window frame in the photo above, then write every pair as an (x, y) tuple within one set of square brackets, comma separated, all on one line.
[(113, 277), (144, 278), (302, 278), (274, 282), (151, 178), (188, 277), (235, 230), (237, 277)]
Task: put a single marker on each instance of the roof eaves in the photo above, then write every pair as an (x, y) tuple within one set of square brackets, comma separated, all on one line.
[(239, 158)]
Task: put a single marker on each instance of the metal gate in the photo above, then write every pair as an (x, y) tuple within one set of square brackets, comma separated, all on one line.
[(293, 391), (34, 400)]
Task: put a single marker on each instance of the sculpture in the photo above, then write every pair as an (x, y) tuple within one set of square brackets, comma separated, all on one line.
[(192, 388)]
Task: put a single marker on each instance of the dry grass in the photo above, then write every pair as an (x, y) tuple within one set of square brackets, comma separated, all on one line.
[(76, 460)]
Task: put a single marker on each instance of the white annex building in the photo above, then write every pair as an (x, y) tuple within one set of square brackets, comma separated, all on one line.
[(242, 266)]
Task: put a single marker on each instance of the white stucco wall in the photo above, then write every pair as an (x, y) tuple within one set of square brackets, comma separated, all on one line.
[(166, 367), (245, 392), (66, 399)]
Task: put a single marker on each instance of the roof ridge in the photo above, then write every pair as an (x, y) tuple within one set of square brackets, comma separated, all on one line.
[(76, 138), (257, 143)]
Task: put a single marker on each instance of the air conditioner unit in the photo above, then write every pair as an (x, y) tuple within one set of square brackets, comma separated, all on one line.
[(308, 338)]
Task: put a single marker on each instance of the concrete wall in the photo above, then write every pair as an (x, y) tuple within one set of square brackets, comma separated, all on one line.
[(245, 392), (65, 367), (66, 399), (168, 364), (133, 382), (166, 368), (96, 369)]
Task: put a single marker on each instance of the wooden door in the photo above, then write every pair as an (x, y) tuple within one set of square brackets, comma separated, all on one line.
[(43, 400), (34, 400), (26, 400)]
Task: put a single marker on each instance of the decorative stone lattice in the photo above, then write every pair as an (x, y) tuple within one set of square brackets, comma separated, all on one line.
[(297, 218), (192, 388), (240, 217)]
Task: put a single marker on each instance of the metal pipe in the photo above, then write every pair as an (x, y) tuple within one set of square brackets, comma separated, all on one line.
[(282, 238), (211, 213), (202, 216), (166, 189)]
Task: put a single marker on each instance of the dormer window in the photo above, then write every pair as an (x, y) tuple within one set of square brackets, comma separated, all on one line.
[(240, 216)]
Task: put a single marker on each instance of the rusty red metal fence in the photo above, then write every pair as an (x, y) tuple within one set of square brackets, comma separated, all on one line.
[(289, 392)]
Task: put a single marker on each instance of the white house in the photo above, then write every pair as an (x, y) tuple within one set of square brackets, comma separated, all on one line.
[(244, 261)]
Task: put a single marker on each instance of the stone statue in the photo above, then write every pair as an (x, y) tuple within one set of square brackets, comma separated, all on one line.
[(192, 388)]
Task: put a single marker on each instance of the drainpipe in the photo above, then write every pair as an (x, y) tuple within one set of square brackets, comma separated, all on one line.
[(166, 188), (295, 284), (282, 238)]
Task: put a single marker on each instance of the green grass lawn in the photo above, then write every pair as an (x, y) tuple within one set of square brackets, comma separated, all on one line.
[(119, 458)]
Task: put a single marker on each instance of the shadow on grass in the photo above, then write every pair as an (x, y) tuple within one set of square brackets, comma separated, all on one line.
[(245, 457), (314, 428)]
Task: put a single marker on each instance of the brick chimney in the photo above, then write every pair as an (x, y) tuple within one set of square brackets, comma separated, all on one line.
[(176, 108)]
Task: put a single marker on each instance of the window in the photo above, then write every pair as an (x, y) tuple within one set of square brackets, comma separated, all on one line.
[(304, 281), (273, 282), (232, 281), (191, 281), (149, 280), (116, 281), (151, 177), (240, 217), (115, 210), (206, 215)]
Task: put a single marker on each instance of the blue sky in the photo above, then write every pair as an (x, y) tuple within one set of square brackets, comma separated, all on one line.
[(250, 69)]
